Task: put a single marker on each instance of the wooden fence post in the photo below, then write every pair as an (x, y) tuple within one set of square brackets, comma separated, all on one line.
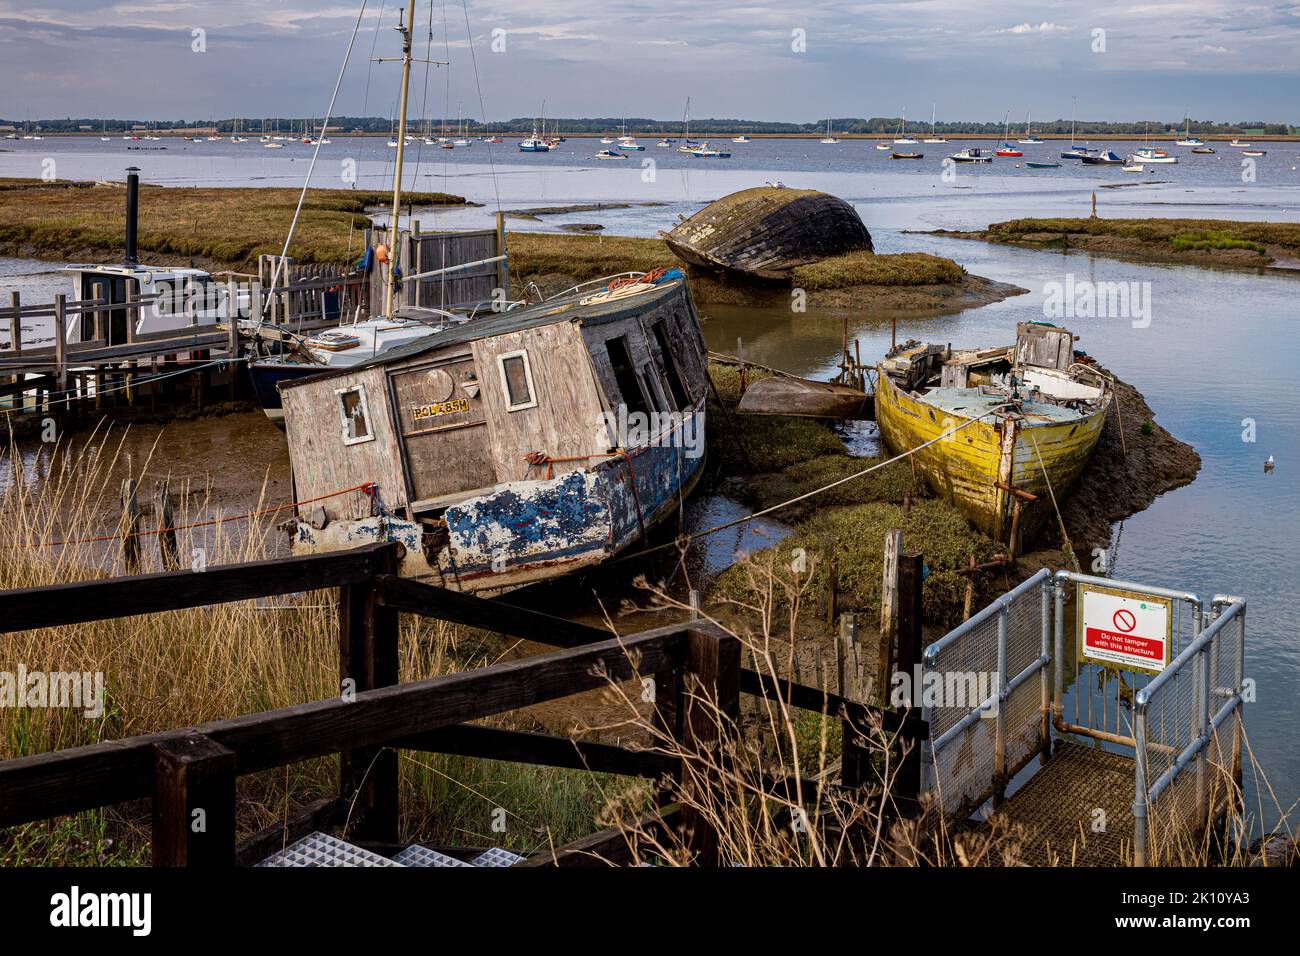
[(16, 342), (61, 343), (162, 509), (232, 336), (710, 708), (193, 803), (910, 652), (99, 333), (368, 658), (888, 610), (130, 527)]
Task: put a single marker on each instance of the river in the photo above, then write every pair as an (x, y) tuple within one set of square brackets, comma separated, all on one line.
[(1216, 361)]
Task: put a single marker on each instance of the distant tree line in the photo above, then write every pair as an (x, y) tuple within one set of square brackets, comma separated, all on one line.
[(254, 126)]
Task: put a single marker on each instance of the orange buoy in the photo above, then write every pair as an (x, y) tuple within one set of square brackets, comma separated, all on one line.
[(381, 252)]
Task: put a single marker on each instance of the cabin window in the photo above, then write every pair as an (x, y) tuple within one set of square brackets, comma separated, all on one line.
[(629, 386), (355, 412), (517, 381), (672, 372)]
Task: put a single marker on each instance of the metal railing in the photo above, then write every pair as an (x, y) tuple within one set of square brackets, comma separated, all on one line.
[(1180, 761), (980, 741)]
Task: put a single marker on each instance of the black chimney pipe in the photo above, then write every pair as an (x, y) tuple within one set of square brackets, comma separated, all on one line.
[(132, 215)]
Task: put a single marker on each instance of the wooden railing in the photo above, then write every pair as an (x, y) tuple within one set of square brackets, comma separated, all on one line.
[(196, 767)]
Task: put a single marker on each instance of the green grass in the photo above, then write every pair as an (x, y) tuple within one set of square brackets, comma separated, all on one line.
[(1213, 240), (865, 268), (1180, 234), (583, 257)]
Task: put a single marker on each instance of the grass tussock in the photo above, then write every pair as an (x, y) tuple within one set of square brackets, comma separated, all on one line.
[(865, 268), (1178, 234), (226, 227)]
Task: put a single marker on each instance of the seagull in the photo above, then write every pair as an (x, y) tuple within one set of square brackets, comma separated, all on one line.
[(1268, 465)]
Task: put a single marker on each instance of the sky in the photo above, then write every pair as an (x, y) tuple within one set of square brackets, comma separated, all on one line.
[(972, 59)]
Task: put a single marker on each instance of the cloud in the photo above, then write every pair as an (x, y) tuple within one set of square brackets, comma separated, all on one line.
[(1216, 49), (1043, 27)]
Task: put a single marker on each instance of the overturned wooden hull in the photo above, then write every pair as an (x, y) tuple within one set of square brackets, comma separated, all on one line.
[(975, 467), (804, 398), (768, 231)]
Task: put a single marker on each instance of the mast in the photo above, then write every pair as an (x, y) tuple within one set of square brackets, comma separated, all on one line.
[(393, 232)]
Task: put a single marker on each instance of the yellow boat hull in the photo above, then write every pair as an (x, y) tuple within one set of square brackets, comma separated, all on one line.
[(976, 467)]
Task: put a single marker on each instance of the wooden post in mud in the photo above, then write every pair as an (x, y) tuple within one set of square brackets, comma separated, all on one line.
[(100, 291), (61, 345), (16, 340), (832, 580), (162, 509), (130, 527), (503, 267), (969, 604), (888, 608), (232, 336)]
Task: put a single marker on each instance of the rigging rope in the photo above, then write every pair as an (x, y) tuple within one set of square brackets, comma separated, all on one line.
[(329, 113)]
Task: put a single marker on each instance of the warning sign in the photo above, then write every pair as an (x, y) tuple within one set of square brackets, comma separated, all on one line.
[(1125, 628)]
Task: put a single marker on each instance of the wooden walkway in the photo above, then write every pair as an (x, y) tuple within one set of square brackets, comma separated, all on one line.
[(1059, 807)]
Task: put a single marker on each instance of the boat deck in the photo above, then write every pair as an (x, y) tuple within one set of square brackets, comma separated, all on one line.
[(974, 402)]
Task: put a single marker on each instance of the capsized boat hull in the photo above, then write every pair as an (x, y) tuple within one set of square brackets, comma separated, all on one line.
[(967, 467)]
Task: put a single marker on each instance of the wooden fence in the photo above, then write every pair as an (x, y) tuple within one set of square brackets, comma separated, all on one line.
[(696, 669)]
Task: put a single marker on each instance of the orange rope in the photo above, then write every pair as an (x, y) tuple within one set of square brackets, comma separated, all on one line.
[(369, 487)]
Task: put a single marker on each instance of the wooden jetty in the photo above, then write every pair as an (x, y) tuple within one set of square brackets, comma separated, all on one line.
[(697, 670)]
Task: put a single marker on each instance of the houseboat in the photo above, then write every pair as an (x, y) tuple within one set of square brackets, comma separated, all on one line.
[(519, 447), (1004, 432)]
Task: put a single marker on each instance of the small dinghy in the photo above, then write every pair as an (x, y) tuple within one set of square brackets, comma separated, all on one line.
[(804, 398)]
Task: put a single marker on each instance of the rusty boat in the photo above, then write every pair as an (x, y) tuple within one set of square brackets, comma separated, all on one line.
[(521, 446), (1003, 432)]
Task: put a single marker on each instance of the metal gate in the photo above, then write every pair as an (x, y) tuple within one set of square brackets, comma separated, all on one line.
[(993, 690), (985, 693)]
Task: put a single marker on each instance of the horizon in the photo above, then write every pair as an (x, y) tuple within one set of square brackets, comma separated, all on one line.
[(1221, 63)]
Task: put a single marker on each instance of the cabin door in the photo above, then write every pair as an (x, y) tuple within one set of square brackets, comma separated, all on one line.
[(117, 290), (440, 417)]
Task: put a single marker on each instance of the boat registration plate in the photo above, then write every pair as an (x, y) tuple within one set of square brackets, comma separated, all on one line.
[(433, 410)]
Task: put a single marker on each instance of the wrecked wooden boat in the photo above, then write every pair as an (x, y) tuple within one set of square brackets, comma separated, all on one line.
[(768, 231), (1002, 432), (521, 446)]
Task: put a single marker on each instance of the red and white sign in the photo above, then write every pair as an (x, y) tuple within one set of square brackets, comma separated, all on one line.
[(1125, 629)]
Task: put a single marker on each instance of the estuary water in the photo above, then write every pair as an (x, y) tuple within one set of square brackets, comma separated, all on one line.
[(1215, 353)]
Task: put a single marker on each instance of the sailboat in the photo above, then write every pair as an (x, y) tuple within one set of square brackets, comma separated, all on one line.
[(829, 139), (1029, 139), (902, 139), (1074, 152), (351, 344), (1188, 139), (1006, 149), (524, 445), (932, 138), (104, 130), (687, 146), (628, 142)]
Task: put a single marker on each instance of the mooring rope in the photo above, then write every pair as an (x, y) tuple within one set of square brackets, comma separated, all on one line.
[(686, 539), (369, 487)]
